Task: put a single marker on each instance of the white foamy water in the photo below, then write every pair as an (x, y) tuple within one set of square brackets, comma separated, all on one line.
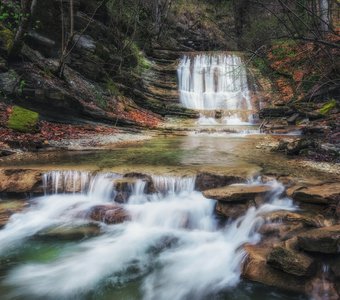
[(216, 82), (172, 244)]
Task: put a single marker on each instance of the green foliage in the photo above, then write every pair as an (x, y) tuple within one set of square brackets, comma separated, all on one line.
[(283, 49), (10, 14), (112, 88), (308, 82), (100, 100), (327, 107), (136, 57), (22, 84), (23, 120), (261, 31)]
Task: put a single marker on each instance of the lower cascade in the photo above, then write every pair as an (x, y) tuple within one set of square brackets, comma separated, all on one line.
[(171, 245), (216, 85)]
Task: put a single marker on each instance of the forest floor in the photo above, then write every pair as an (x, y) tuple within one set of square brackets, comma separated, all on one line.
[(50, 135)]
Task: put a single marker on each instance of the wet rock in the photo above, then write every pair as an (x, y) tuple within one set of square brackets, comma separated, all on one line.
[(123, 187), (231, 210), (8, 208), (291, 261), (6, 152), (255, 268), (69, 232), (237, 193), (322, 240), (296, 146), (84, 43), (206, 181), (9, 82), (20, 181), (321, 194), (292, 120), (314, 129), (335, 266), (150, 187), (276, 112), (321, 288), (109, 214), (293, 217)]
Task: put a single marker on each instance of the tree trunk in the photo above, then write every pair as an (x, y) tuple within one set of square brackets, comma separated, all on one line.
[(324, 15)]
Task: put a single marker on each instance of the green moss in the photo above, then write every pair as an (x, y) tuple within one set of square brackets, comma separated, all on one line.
[(23, 120), (6, 37), (327, 107)]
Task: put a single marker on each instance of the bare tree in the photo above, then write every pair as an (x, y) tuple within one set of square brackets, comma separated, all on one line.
[(27, 8)]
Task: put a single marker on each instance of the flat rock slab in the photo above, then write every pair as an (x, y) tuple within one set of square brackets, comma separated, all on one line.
[(322, 240), (321, 194), (237, 192)]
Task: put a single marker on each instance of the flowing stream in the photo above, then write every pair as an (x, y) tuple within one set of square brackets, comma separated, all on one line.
[(172, 247)]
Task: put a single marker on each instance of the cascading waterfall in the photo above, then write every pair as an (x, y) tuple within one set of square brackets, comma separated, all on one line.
[(172, 244), (216, 82)]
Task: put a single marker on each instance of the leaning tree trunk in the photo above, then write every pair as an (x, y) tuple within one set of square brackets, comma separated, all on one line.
[(27, 10)]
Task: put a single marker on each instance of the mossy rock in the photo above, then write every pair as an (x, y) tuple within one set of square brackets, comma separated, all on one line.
[(6, 38), (23, 120)]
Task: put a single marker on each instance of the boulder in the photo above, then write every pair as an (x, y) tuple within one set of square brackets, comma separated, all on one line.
[(322, 240), (231, 210), (206, 181), (237, 192), (20, 181), (69, 232), (255, 268), (290, 261), (109, 214), (322, 194)]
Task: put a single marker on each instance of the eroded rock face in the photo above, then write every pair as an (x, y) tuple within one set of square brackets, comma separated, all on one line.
[(322, 240), (292, 262), (109, 214), (237, 193), (19, 181), (322, 194)]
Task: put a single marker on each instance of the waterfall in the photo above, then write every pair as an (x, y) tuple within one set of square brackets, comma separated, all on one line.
[(216, 82), (172, 244)]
